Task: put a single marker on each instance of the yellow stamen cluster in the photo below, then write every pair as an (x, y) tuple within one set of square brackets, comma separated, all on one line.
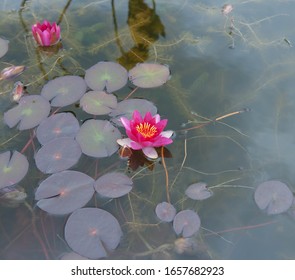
[(146, 129)]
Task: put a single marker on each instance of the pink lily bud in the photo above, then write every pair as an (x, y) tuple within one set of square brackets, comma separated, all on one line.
[(46, 34)]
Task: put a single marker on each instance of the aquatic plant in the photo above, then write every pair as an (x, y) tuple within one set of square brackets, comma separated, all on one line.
[(46, 34), (145, 133), (3, 46)]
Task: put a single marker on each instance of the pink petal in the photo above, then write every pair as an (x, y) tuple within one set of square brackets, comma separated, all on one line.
[(38, 37), (46, 38), (135, 146), (162, 141), (124, 142), (161, 125), (46, 24), (157, 118), (131, 135), (137, 117), (148, 117), (125, 122), (150, 152)]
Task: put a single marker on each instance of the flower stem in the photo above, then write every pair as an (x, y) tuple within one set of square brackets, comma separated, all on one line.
[(166, 174)]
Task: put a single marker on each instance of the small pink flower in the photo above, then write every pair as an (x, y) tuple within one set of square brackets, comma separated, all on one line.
[(145, 133), (46, 34)]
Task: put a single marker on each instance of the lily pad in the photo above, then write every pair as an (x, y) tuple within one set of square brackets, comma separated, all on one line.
[(186, 223), (58, 155), (126, 108), (56, 126), (30, 112), (13, 168), (98, 138), (149, 75), (64, 192), (165, 211), (198, 191), (106, 75), (92, 232), (98, 102), (273, 196), (63, 91), (113, 185), (3, 47)]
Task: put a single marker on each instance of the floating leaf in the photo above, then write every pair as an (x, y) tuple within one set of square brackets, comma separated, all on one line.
[(98, 138), (126, 108), (63, 91), (113, 185), (56, 126), (13, 168), (149, 75), (58, 155), (98, 102), (198, 191), (92, 232), (3, 47), (186, 222), (106, 75), (30, 112), (64, 192), (273, 196), (165, 211)]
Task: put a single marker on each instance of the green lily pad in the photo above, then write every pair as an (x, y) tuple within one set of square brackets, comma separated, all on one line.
[(98, 138), (149, 75), (64, 91), (64, 192), (30, 112), (126, 108), (106, 75), (13, 168), (57, 126), (98, 102)]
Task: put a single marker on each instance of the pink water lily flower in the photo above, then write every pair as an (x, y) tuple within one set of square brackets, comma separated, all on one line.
[(46, 34), (145, 133)]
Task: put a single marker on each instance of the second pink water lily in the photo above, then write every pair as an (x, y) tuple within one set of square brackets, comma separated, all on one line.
[(145, 133), (46, 34)]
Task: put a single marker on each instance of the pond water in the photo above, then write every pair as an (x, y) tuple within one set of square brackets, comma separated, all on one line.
[(240, 63)]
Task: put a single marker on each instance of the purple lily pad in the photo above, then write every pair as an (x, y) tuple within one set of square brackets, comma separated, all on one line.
[(56, 126), (64, 192), (273, 196), (30, 112), (3, 47), (98, 102), (98, 138), (165, 212), (92, 232), (13, 168), (187, 223), (149, 75), (106, 75), (57, 155), (63, 91), (198, 191), (113, 185), (126, 108)]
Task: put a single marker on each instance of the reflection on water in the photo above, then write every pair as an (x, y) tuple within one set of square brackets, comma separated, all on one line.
[(220, 64)]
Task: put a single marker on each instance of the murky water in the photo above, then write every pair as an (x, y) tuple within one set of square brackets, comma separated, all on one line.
[(220, 64)]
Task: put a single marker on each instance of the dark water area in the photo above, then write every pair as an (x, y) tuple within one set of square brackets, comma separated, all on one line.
[(234, 72)]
